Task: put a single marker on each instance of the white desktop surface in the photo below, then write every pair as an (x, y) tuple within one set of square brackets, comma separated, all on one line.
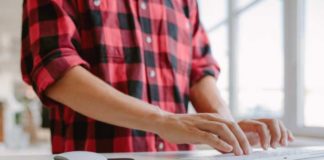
[(139, 156), (136, 156), (42, 152)]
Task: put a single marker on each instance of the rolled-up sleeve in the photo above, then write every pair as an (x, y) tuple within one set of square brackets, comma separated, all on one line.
[(49, 45), (203, 64)]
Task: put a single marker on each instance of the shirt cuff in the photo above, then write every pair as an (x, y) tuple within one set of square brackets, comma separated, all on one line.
[(199, 73), (46, 75)]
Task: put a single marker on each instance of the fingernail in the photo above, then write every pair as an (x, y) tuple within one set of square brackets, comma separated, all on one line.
[(273, 145), (240, 152), (229, 148), (247, 151), (285, 142)]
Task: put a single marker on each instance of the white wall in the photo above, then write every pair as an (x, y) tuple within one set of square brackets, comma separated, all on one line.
[(10, 26), (10, 16)]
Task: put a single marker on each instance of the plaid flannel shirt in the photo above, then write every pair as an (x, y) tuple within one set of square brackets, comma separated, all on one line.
[(153, 50)]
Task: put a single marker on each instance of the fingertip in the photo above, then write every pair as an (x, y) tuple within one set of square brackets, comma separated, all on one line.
[(238, 152), (284, 142), (291, 137), (265, 146), (274, 145), (228, 148), (248, 151), (223, 147)]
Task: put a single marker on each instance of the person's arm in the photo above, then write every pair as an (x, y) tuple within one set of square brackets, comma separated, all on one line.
[(205, 97), (92, 97), (204, 94), (52, 64)]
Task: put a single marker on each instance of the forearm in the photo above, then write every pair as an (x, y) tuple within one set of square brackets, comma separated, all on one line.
[(92, 97), (206, 98)]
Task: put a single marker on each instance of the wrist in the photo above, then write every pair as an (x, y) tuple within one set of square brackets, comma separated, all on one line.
[(158, 120), (224, 112)]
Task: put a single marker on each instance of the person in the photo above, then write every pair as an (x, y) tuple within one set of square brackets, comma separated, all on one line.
[(117, 76)]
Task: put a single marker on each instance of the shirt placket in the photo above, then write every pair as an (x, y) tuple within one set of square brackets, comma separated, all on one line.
[(148, 47), (151, 73)]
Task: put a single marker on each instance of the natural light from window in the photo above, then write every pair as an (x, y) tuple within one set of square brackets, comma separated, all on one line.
[(243, 3), (314, 63), (210, 17), (260, 60)]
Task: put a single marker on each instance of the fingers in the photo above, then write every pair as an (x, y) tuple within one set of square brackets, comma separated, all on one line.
[(290, 136), (275, 131), (224, 133), (284, 135), (270, 132), (239, 134), (241, 143), (214, 141), (253, 138), (279, 133), (260, 128), (264, 134)]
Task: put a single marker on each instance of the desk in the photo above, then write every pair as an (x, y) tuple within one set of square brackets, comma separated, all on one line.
[(147, 156), (182, 155), (136, 156)]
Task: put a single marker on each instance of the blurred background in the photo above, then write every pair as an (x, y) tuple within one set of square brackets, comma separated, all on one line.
[(271, 53)]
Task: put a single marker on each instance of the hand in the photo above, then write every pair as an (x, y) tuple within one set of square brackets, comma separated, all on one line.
[(267, 132), (211, 129)]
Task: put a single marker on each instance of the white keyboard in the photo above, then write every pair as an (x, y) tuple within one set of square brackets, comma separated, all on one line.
[(278, 154)]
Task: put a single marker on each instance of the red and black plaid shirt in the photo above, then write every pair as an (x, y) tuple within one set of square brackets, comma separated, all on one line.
[(153, 50)]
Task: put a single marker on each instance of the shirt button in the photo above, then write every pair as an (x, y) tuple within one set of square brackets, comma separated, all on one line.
[(161, 146), (96, 2), (148, 39), (152, 74), (188, 25), (143, 5)]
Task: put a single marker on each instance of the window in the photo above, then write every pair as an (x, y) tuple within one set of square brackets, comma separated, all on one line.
[(243, 3), (314, 63), (303, 38), (213, 13), (259, 44), (260, 60), (271, 54)]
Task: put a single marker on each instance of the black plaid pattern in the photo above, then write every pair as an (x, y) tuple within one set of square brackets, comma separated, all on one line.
[(126, 21), (149, 58), (111, 41), (48, 12)]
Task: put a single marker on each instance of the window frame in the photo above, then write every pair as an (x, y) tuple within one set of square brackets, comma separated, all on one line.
[(294, 23), (293, 30)]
